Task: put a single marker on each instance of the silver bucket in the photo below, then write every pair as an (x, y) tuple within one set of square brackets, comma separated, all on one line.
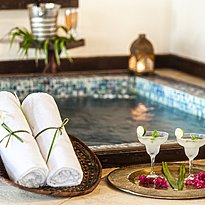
[(43, 20)]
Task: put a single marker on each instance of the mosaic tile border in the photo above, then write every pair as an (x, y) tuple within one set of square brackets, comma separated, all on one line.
[(173, 95), (176, 94), (64, 87)]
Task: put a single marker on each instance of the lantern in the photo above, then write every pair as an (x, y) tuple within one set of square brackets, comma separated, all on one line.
[(141, 59)]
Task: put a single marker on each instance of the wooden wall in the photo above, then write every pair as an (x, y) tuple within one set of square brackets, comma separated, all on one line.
[(21, 4)]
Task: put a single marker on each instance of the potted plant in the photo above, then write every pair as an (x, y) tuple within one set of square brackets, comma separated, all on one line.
[(50, 47), (43, 36)]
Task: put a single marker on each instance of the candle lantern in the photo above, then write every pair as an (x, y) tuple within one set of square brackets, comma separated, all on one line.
[(141, 59)]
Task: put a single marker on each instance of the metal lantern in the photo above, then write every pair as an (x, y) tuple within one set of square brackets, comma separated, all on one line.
[(141, 59)]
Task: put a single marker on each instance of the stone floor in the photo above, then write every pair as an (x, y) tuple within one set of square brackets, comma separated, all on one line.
[(104, 194)]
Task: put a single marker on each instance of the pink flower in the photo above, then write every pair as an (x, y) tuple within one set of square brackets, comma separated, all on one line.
[(145, 180), (199, 184), (200, 176), (189, 182), (198, 181), (160, 182)]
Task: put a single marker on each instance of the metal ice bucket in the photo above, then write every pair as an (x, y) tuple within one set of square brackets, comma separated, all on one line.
[(43, 20)]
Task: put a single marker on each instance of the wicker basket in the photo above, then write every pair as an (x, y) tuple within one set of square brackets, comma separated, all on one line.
[(91, 174)]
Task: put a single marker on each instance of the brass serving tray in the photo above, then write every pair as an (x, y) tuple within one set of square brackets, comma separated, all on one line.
[(91, 167), (127, 179)]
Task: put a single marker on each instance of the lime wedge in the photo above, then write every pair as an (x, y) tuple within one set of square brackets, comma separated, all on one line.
[(179, 132), (141, 131)]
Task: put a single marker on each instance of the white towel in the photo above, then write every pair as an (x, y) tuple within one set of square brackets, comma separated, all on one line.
[(64, 167), (23, 161)]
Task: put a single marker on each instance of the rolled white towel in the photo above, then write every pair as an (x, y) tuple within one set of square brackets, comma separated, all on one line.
[(63, 164), (22, 160)]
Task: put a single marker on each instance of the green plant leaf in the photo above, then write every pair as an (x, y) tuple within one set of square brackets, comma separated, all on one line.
[(154, 135), (8, 141), (56, 51), (63, 28), (58, 129), (169, 176), (64, 49), (181, 177), (4, 138), (49, 128), (72, 38), (51, 146), (13, 37), (28, 41), (36, 55), (195, 138), (37, 45), (45, 49), (12, 133)]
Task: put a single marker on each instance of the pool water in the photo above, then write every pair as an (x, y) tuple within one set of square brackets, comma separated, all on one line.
[(113, 121)]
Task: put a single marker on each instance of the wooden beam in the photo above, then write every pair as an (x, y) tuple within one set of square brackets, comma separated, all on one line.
[(89, 64), (129, 156), (22, 4)]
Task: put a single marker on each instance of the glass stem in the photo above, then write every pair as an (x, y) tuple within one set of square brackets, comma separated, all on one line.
[(152, 163), (190, 167)]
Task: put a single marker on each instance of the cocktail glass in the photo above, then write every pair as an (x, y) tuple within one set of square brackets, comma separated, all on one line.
[(191, 143), (152, 145)]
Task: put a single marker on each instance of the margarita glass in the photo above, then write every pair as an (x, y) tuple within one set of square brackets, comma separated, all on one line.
[(191, 143), (152, 145)]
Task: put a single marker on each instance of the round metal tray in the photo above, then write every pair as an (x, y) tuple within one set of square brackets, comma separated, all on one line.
[(127, 179)]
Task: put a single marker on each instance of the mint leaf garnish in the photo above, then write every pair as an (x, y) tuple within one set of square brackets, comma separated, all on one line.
[(195, 138), (154, 135)]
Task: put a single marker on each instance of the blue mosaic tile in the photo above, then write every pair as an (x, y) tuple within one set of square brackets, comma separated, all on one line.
[(173, 96), (176, 94), (63, 87)]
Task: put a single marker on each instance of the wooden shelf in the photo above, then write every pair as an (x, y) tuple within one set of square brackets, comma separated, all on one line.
[(52, 66), (74, 44), (22, 4)]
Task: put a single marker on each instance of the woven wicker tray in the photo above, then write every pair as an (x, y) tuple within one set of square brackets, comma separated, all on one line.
[(91, 174)]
